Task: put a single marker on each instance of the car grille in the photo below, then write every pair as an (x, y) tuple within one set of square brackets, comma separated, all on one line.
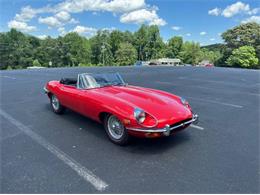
[(178, 123)]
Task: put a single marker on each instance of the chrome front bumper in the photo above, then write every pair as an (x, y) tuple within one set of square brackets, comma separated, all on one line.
[(45, 90), (167, 129)]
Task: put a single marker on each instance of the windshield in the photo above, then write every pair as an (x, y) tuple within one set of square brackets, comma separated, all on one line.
[(87, 81)]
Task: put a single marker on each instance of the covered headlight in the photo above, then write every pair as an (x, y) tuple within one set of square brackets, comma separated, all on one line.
[(184, 102), (139, 115)]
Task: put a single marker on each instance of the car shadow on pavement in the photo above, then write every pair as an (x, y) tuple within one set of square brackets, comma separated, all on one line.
[(136, 145), (81, 122), (157, 145)]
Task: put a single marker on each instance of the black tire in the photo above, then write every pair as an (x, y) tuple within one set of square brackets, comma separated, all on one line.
[(123, 139), (57, 108)]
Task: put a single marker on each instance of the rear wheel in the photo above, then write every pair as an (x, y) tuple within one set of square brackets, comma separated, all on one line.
[(115, 130), (55, 105)]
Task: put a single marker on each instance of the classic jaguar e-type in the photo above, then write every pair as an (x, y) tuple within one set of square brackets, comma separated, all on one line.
[(125, 110)]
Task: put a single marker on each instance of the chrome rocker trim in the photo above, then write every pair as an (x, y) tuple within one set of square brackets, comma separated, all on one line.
[(166, 130)]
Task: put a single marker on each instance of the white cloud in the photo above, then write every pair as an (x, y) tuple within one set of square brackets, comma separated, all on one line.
[(158, 22), (50, 21), (63, 16), (22, 26), (254, 11), (73, 21), (219, 34), (123, 5), (85, 30), (203, 33), (142, 16), (212, 39), (27, 13), (42, 36), (62, 31), (117, 6), (235, 8), (61, 12), (110, 29), (214, 12), (252, 19), (188, 34), (176, 28)]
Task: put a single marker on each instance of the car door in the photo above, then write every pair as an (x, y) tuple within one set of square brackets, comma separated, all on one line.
[(87, 104), (69, 96)]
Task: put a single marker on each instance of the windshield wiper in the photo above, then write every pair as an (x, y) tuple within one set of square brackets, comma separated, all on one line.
[(114, 84), (119, 84)]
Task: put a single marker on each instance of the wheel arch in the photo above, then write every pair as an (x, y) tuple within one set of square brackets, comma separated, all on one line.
[(49, 94), (102, 115)]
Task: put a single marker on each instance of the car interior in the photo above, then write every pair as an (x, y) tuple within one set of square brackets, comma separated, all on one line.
[(69, 81)]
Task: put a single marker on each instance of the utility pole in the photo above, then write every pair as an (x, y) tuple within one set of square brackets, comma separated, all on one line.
[(140, 53), (103, 53)]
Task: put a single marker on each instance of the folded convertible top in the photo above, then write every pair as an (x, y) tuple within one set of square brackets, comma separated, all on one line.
[(68, 81)]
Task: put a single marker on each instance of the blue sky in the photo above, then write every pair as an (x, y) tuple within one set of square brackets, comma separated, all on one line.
[(196, 20)]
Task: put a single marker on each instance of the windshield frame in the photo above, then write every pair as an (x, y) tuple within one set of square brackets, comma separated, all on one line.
[(84, 81)]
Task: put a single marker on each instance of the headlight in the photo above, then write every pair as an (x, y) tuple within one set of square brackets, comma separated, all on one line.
[(139, 115), (184, 102)]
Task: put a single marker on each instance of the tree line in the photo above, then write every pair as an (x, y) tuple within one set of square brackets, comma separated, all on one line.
[(19, 50)]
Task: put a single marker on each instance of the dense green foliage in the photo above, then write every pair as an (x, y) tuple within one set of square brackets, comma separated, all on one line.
[(244, 56), (244, 35), (18, 50), (126, 54)]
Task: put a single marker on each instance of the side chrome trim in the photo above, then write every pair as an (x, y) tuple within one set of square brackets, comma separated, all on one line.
[(166, 128)]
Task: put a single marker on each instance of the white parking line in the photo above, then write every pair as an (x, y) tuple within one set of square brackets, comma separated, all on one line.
[(86, 174), (196, 127), (207, 88), (8, 77), (216, 102), (165, 82), (257, 94), (208, 81)]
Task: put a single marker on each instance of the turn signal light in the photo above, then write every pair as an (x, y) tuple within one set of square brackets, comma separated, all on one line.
[(126, 122)]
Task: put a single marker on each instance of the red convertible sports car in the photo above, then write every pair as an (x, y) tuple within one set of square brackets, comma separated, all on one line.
[(124, 110)]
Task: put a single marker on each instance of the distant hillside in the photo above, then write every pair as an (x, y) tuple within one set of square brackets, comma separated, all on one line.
[(214, 47)]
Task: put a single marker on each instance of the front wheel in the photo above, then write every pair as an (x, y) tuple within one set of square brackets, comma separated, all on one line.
[(115, 130), (55, 105)]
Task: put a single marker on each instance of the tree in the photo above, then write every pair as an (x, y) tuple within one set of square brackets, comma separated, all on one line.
[(244, 34), (49, 50), (244, 57), (140, 41), (126, 54), (190, 53), (154, 43), (174, 47), (77, 49), (101, 49), (211, 56), (116, 37), (36, 63), (16, 50)]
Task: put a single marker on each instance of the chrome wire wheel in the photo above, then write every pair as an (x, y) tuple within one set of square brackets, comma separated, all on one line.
[(55, 102), (115, 127)]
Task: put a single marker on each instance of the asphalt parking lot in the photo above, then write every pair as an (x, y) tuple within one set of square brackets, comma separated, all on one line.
[(46, 153)]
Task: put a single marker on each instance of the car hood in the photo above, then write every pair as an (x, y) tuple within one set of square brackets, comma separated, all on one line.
[(160, 105)]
